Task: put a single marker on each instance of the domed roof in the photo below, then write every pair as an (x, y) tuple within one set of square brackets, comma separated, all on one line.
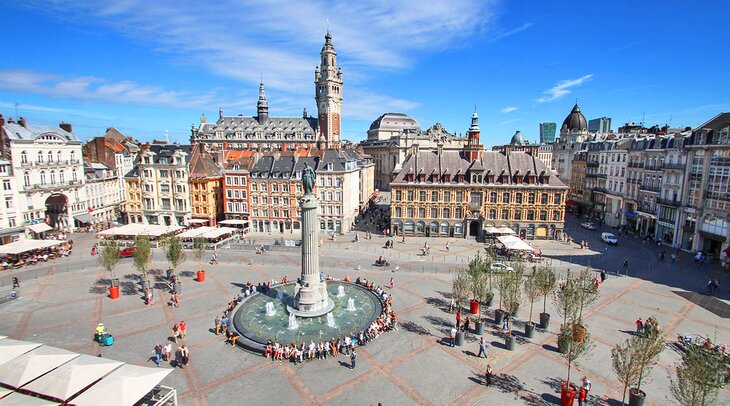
[(575, 120), (518, 139), (394, 121)]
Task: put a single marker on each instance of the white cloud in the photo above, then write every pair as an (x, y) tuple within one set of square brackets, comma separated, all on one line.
[(509, 109), (562, 88), (98, 89), (512, 32)]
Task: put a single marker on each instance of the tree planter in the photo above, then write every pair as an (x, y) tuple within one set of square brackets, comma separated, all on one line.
[(529, 330), (567, 394), (114, 292), (479, 327), (509, 342), (201, 276), (460, 338), (636, 397), (474, 306), (488, 303), (544, 320), (579, 333), (498, 317)]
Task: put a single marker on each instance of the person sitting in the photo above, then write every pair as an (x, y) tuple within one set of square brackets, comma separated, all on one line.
[(100, 332), (232, 337)]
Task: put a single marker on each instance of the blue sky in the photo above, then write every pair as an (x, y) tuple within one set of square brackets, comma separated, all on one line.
[(147, 67)]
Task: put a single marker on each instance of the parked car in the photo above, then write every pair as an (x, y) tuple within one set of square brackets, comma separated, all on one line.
[(127, 252), (501, 267), (588, 225), (609, 239)]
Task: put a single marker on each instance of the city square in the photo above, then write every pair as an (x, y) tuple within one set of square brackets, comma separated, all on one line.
[(61, 304)]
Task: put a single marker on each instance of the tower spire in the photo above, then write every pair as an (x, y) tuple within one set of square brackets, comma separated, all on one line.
[(262, 108)]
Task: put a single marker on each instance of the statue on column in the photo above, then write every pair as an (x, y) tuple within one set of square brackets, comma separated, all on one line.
[(308, 178)]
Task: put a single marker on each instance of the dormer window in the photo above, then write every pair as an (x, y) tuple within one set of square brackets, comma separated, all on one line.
[(329, 166)]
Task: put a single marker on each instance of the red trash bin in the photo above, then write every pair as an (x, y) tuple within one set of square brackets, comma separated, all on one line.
[(474, 306), (114, 292), (201, 276), (567, 394)]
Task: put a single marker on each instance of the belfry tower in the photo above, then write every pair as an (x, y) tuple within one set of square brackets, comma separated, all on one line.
[(328, 94), (473, 149)]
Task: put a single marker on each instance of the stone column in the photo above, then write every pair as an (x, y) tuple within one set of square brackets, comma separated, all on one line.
[(311, 293)]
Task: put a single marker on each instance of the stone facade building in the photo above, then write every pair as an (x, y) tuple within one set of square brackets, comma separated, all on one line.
[(102, 191), (206, 187)]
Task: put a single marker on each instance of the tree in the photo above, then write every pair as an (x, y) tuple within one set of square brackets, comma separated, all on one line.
[(173, 251), (200, 246), (460, 288), (646, 348), (546, 281), (532, 289), (142, 255), (476, 277), (570, 348), (625, 366), (512, 291), (109, 258), (586, 290), (700, 375), (566, 298)]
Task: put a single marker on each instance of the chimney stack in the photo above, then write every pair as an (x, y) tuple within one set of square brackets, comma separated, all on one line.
[(65, 127), (2, 120), (21, 121)]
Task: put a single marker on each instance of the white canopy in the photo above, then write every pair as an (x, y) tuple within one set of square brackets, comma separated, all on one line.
[(40, 227), (492, 230), (218, 232), (234, 222), (11, 349), (21, 246), (197, 221), (125, 386), (514, 243), (73, 376), (33, 364), (136, 229), (506, 230), (195, 232), (18, 399)]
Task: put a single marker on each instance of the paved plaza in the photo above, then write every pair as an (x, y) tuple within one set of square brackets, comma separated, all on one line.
[(61, 303)]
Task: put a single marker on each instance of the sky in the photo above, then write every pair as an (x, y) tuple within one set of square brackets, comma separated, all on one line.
[(151, 68)]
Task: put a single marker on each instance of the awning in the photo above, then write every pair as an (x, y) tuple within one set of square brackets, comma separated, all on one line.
[(198, 221), (136, 229), (84, 218), (513, 243), (493, 230), (73, 376), (11, 349), (234, 222), (219, 232), (40, 228), (703, 234), (32, 364), (506, 230), (125, 386), (21, 246), (195, 232), (630, 215), (19, 399)]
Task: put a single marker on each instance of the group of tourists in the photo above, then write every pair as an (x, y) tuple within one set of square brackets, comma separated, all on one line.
[(650, 327)]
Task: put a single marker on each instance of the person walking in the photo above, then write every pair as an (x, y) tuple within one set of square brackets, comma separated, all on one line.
[(482, 348), (183, 329), (452, 336), (626, 267), (392, 283), (353, 359), (451, 305), (603, 276), (217, 325), (488, 375), (585, 388), (168, 351), (158, 354), (16, 282)]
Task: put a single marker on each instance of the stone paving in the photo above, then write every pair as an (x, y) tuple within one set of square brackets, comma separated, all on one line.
[(63, 301)]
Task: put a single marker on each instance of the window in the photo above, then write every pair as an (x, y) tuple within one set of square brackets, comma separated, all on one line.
[(410, 195), (422, 196), (518, 198), (62, 176), (493, 197), (459, 213), (23, 158), (43, 178), (164, 174), (398, 196), (434, 196), (434, 212), (53, 177), (556, 215), (50, 157), (164, 188), (459, 197), (544, 198), (518, 214), (6, 185), (422, 212), (398, 212), (558, 198), (73, 157), (492, 214), (40, 157), (26, 178), (505, 214), (530, 214), (543, 215), (505, 198), (447, 213), (447, 197), (58, 156), (531, 198), (9, 202)]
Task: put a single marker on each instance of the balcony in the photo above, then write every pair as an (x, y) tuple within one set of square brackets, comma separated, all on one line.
[(591, 175), (668, 202), (650, 188), (653, 167), (601, 175), (51, 186), (600, 189), (49, 164), (636, 165), (592, 164), (679, 166)]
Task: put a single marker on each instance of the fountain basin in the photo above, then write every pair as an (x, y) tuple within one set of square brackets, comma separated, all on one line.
[(250, 319)]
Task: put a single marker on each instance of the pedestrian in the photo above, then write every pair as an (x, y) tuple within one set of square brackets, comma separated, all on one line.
[(447, 246), (452, 336), (158, 354), (353, 358), (603, 276), (149, 299), (639, 326), (168, 351), (183, 329), (182, 356), (698, 257), (585, 388), (175, 333), (626, 267), (392, 283), (16, 282), (217, 325), (674, 258), (505, 323), (458, 319), (451, 305), (482, 347), (488, 375), (661, 256)]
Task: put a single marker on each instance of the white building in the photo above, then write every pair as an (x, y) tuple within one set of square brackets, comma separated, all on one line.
[(102, 192), (163, 180), (49, 176)]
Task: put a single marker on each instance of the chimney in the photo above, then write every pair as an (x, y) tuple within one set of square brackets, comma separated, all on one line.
[(2, 120), (65, 127), (21, 121)]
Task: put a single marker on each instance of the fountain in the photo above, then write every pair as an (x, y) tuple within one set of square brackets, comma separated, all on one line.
[(270, 310), (316, 309), (331, 319), (293, 323)]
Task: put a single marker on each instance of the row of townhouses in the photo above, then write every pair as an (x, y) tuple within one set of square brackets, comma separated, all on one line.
[(672, 185)]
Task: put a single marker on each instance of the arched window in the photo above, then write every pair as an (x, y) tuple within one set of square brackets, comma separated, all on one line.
[(43, 177), (73, 175), (53, 177), (40, 157), (26, 178), (23, 158), (73, 157), (50, 157), (62, 176), (58, 156)]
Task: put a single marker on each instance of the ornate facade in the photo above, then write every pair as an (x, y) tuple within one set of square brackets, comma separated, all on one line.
[(265, 133)]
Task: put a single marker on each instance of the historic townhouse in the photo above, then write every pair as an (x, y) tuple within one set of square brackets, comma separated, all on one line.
[(577, 193), (133, 192), (102, 192), (616, 156), (49, 175), (460, 193), (274, 195), (236, 185), (338, 185), (206, 188), (10, 216)]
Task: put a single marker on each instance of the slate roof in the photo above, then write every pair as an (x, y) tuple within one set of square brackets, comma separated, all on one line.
[(202, 164), (30, 132)]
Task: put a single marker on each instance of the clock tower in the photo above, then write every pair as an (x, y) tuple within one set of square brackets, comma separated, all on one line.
[(328, 94)]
